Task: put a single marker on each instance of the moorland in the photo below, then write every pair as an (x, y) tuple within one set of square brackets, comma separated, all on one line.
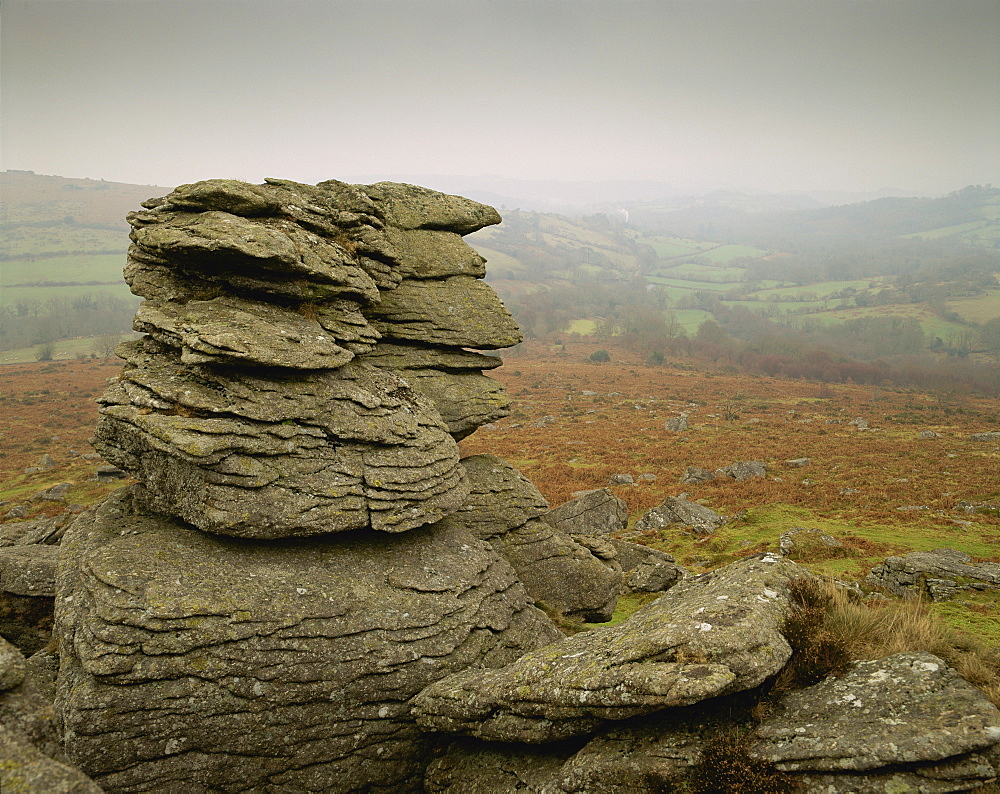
[(772, 329)]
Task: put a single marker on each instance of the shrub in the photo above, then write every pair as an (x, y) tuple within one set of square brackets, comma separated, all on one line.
[(599, 356)]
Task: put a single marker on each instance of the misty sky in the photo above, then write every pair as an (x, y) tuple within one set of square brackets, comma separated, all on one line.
[(700, 94)]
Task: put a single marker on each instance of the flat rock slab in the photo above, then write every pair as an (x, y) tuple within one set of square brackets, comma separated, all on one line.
[(709, 635), (230, 330), (905, 708), (29, 570), (236, 665), (265, 457), (414, 207), (459, 311)]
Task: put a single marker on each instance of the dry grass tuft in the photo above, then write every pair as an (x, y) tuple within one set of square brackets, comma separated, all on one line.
[(829, 624)]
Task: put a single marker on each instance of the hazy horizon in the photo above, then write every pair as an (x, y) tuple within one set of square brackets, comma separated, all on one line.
[(775, 95)]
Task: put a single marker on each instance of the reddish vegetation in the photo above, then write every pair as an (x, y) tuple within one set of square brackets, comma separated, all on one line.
[(620, 429), (50, 409)]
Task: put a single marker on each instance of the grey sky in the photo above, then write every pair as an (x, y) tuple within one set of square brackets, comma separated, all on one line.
[(776, 95)]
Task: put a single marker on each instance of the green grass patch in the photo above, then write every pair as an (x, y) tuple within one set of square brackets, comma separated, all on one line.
[(973, 613), (628, 605), (710, 274), (582, 327), (60, 239), (728, 253), (977, 309), (64, 349), (82, 268)]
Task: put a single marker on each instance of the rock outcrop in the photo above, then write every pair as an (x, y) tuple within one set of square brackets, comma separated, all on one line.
[(939, 574), (302, 553), (560, 571), (251, 407), (679, 511), (308, 590), (187, 656), (918, 728), (708, 636)]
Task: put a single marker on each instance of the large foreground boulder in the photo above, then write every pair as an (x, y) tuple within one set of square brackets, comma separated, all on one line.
[(224, 664), (710, 635), (903, 723)]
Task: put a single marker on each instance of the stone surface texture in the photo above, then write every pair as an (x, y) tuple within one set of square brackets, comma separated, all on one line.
[(259, 403), (710, 635), (678, 511), (234, 665), (597, 512)]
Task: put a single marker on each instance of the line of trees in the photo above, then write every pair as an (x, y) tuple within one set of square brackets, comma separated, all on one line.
[(27, 323)]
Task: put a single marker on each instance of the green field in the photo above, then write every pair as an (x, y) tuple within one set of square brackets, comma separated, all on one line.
[(11, 296), (63, 349), (978, 309), (727, 253), (78, 269), (669, 247), (695, 272), (39, 240)]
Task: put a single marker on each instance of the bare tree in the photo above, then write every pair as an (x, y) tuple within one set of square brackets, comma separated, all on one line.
[(105, 344)]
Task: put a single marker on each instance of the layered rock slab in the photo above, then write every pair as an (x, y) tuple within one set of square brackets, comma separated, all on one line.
[(710, 635), (504, 507), (233, 665), (265, 454)]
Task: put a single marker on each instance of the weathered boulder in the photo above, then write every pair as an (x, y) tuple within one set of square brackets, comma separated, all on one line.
[(694, 474), (940, 574), (597, 512), (676, 510), (560, 573), (29, 570), (457, 311), (710, 635), (413, 207), (25, 769), (647, 570), (556, 569), (812, 740), (307, 453), (743, 470), (500, 497), (799, 540), (228, 664), (677, 424), (909, 708)]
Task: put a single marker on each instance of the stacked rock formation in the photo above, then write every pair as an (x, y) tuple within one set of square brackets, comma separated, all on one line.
[(305, 373), (259, 404)]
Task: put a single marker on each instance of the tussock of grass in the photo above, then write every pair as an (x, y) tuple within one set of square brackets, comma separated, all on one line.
[(829, 623)]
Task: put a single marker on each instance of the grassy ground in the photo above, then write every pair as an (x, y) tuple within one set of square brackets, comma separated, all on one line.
[(853, 488), (609, 418)]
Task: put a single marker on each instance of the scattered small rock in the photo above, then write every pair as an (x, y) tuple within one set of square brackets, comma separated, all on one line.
[(744, 470), (678, 424), (694, 474)]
